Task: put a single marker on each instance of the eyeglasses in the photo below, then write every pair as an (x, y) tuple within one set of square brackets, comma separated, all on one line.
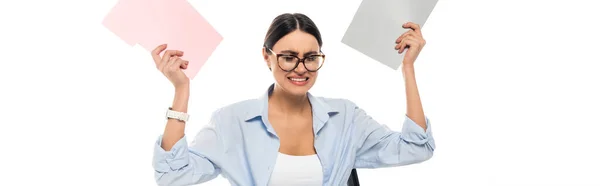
[(289, 62)]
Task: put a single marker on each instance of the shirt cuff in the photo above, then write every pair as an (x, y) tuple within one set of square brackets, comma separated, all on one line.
[(414, 133), (175, 159)]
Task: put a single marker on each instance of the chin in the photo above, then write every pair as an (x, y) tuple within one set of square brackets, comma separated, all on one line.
[(297, 88)]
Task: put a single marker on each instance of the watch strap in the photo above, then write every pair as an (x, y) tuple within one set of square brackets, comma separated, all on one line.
[(181, 116)]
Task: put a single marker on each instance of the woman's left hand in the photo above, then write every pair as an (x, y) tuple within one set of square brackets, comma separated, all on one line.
[(412, 41)]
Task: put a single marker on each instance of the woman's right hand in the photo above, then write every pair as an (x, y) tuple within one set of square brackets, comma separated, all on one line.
[(171, 65)]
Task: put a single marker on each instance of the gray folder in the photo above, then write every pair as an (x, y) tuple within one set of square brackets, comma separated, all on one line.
[(378, 23)]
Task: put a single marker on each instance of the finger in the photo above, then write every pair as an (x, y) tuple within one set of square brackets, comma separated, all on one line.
[(406, 43), (409, 43), (156, 53), (399, 45), (185, 64), (177, 64), (413, 26), (407, 33), (170, 53), (180, 64), (165, 65), (172, 61), (419, 41)]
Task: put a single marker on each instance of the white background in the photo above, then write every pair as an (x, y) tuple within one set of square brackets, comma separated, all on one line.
[(511, 88)]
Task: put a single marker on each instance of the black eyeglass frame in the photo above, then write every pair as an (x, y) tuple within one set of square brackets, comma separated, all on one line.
[(299, 60)]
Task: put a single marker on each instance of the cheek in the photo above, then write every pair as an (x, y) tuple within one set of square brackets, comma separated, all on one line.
[(314, 75), (272, 65), (279, 74)]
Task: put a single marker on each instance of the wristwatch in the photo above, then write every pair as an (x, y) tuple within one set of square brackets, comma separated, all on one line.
[(181, 116)]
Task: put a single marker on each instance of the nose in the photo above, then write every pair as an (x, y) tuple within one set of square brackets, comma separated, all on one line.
[(300, 69)]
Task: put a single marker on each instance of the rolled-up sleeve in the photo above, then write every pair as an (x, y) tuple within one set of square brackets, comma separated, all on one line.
[(188, 165), (378, 146), (175, 159), (413, 133)]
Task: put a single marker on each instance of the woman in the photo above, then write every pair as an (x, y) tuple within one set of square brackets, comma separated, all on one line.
[(288, 136)]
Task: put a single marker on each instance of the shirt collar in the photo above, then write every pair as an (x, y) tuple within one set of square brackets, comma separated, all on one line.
[(321, 110)]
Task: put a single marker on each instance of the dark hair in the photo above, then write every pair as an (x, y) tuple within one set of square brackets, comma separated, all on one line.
[(286, 23)]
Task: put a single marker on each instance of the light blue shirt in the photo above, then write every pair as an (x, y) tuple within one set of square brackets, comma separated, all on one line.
[(240, 144)]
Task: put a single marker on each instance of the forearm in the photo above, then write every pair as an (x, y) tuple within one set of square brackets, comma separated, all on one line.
[(414, 108), (175, 129)]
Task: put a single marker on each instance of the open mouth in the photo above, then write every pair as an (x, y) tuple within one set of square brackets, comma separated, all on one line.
[(298, 79)]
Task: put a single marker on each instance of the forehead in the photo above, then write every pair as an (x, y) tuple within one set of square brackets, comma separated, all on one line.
[(298, 41)]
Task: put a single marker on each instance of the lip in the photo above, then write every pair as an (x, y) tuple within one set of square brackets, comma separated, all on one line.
[(298, 77), (298, 83)]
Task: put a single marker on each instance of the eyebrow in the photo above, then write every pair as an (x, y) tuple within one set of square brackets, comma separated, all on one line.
[(296, 53)]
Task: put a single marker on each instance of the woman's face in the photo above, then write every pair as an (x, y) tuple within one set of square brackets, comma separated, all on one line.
[(300, 44)]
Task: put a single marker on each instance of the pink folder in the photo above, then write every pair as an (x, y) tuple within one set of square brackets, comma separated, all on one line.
[(150, 23)]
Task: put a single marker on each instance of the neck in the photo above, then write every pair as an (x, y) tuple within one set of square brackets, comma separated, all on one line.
[(289, 103)]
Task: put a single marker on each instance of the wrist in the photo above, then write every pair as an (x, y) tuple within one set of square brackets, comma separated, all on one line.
[(184, 88), (182, 96), (180, 104), (408, 67)]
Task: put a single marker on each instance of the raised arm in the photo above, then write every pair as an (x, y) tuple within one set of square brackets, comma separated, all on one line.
[(171, 65), (412, 41), (382, 147), (175, 163)]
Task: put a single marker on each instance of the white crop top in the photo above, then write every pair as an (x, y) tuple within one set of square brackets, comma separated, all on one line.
[(297, 170)]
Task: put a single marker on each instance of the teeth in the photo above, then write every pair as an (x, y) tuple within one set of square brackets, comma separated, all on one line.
[(298, 79)]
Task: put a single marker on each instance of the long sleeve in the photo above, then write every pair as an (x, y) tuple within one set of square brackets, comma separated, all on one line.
[(382, 147), (188, 165)]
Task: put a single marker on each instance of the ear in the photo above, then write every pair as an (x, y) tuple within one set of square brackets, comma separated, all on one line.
[(266, 57)]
